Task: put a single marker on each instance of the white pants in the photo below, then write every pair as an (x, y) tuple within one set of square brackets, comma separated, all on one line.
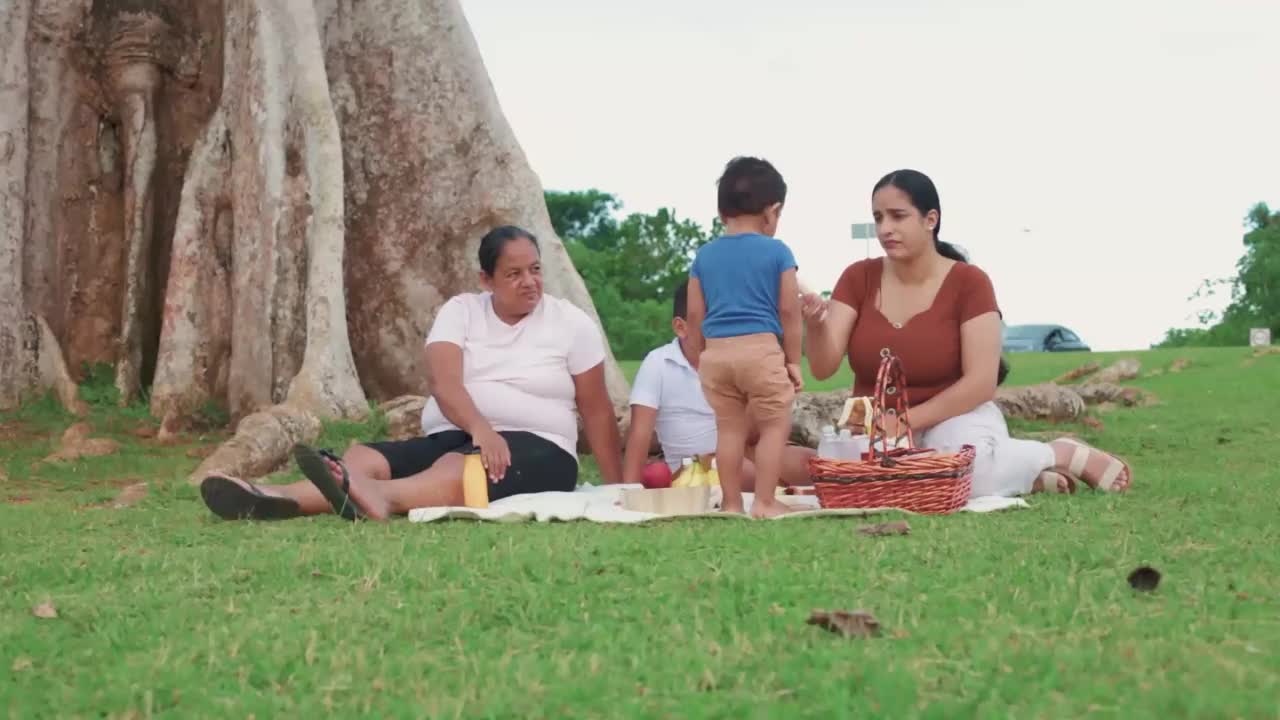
[(1003, 465)]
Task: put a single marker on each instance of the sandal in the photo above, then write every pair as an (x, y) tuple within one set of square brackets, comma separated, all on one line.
[(312, 464), (230, 500), (1105, 483), (1057, 488)]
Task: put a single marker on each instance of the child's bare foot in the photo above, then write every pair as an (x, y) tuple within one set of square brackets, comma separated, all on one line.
[(763, 509), (732, 508)]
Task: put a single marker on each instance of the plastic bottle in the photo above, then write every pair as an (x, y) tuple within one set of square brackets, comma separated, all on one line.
[(475, 483), (826, 446), (846, 449), (859, 444)]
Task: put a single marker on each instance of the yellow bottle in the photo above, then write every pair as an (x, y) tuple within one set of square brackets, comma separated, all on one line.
[(475, 482)]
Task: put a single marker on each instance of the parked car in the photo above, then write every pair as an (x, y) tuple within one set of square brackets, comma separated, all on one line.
[(1042, 338)]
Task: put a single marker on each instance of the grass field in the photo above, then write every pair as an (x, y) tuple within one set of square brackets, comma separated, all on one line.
[(162, 610)]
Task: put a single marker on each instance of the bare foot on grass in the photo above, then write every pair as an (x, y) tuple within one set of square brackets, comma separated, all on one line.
[(763, 509)]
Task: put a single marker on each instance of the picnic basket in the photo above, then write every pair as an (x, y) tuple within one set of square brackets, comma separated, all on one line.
[(920, 480)]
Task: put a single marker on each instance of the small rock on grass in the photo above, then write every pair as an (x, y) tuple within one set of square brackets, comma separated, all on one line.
[(846, 623), (1073, 375), (129, 496), (45, 611)]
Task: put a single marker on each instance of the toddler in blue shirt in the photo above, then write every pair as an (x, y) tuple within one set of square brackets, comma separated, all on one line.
[(745, 328)]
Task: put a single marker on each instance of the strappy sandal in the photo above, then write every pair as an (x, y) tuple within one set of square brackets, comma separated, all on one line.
[(1057, 488), (230, 500), (1080, 457), (312, 463)]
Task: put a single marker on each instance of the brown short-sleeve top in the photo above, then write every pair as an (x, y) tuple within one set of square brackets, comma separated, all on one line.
[(928, 344)]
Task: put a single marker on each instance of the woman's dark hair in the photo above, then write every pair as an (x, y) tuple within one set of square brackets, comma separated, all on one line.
[(924, 196), (492, 243), (748, 186)]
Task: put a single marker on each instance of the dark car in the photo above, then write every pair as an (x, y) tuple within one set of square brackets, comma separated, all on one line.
[(1042, 338)]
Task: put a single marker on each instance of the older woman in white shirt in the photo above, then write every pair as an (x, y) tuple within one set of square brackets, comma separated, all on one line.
[(508, 367)]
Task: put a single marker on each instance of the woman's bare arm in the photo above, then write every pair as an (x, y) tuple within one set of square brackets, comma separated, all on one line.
[(828, 327), (980, 344), (599, 423), (444, 373)]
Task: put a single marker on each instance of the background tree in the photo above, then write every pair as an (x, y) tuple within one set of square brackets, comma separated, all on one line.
[(1255, 290), (630, 265)]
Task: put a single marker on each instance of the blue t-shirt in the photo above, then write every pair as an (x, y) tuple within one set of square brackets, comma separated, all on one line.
[(739, 275)]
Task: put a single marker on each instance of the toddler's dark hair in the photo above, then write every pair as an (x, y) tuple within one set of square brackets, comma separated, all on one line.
[(748, 186)]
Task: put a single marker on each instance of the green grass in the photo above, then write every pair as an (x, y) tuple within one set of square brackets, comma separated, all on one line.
[(165, 611)]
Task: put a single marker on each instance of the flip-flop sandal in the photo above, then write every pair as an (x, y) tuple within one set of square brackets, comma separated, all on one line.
[(230, 500), (1080, 456), (312, 464)]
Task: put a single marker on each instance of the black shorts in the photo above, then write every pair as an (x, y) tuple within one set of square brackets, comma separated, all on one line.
[(537, 464)]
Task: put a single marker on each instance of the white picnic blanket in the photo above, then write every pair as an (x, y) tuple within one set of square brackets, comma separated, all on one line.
[(602, 504)]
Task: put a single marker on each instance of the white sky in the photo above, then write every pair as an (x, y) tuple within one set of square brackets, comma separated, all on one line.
[(1096, 158)]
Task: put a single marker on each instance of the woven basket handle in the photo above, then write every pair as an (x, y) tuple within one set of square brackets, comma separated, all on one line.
[(891, 399)]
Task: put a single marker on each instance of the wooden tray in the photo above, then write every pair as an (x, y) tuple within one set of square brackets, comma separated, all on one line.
[(668, 501)]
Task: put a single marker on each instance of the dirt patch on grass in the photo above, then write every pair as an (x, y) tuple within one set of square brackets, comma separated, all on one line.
[(77, 444), (134, 491), (16, 432)]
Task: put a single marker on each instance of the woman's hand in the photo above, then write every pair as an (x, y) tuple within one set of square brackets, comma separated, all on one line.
[(894, 428), (494, 453), (813, 308)]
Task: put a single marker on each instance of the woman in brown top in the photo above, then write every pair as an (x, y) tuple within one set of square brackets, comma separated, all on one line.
[(924, 303)]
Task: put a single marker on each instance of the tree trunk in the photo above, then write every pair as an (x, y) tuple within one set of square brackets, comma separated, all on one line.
[(431, 165), (18, 375), (224, 199)]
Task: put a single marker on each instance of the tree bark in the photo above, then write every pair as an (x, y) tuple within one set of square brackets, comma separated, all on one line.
[(18, 374), (432, 164), (255, 204), (254, 309)]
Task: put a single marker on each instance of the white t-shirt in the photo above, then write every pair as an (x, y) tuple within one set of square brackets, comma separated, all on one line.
[(668, 383), (520, 376)]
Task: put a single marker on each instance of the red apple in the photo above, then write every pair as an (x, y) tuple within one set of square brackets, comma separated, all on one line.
[(656, 475)]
